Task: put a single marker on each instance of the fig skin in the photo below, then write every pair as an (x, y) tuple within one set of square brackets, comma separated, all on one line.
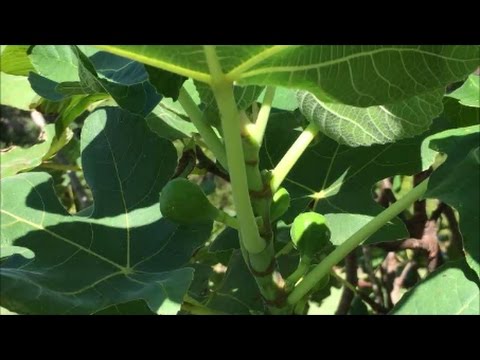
[(185, 203), (280, 204), (310, 233)]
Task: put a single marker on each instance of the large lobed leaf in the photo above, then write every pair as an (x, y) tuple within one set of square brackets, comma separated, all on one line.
[(358, 75), (449, 290), (456, 182), (123, 251)]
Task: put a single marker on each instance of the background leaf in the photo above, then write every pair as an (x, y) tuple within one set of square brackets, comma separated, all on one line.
[(238, 293), (284, 99), (469, 93), (15, 91), (449, 290), (14, 60), (456, 181)]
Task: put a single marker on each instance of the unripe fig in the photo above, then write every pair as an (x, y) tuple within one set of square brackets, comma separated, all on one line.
[(280, 204), (185, 203), (310, 233)]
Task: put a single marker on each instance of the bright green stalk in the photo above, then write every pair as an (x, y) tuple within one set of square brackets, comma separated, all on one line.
[(257, 130), (223, 91), (302, 268), (258, 252), (226, 219), (356, 239), (292, 155), (205, 130)]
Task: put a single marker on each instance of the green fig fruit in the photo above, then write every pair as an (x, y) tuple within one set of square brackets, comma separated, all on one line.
[(185, 203), (310, 233), (280, 204)]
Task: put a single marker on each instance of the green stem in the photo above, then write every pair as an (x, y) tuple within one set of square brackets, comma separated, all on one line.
[(292, 155), (298, 273), (345, 283), (226, 219), (353, 241), (258, 252), (223, 91), (258, 129), (205, 130), (284, 250)]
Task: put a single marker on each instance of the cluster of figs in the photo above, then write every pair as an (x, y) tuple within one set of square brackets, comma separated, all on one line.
[(185, 203)]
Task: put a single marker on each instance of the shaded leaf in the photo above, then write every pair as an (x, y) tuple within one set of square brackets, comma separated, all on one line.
[(136, 307), (64, 71), (121, 250), (226, 240), (238, 293), (456, 181), (166, 83), (460, 115)]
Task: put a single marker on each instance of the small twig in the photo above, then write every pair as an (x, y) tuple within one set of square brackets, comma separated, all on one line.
[(376, 286), (204, 162), (453, 224), (61, 167), (380, 309), (81, 198), (399, 281), (186, 164), (389, 271), (386, 196), (416, 224), (364, 284), (352, 278), (438, 211), (427, 243), (284, 250)]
